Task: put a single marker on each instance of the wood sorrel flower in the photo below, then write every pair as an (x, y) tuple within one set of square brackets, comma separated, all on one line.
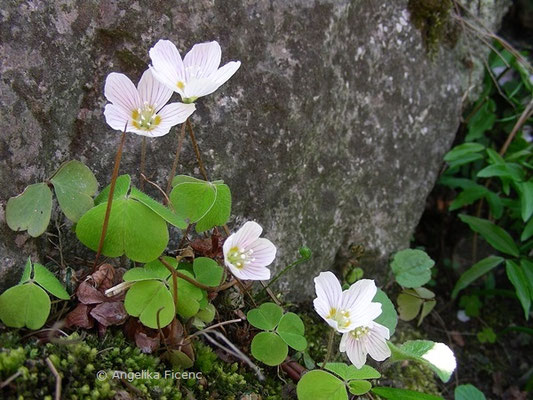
[(197, 75), (366, 339), (143, 107), (346, 310), (247, 255)]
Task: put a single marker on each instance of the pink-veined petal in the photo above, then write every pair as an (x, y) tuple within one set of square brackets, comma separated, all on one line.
[(167, 64), (264, 252), (360, 293), (355, 350), (153, 92), (116, 117), (121, 91), (376, 343), (329, 290), (248, 234), (254, 273), (224, 73), (198, 87), (202, 60), (175, 113)]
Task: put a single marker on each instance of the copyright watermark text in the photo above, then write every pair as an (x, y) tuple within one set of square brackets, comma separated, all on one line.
[(145, 374)]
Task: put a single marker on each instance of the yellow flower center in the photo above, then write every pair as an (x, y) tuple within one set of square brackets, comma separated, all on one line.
[(145, 118), (359, 332), (239, 257), (180, 85), (342, 317)]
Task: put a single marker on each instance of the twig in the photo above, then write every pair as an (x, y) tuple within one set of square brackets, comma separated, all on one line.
[(330, 347), (167, 200), (196, 150), (185, 277), (10, 379), (528, 112), (57, 376), (176, 158), (110, 197), (143, 163), (234, 351), (214, 327)]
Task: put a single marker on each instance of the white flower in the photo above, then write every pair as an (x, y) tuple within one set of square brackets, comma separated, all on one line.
[(197, 75), (143, 107), (369, 339), (442, 357), (346, 310), (247, 255)]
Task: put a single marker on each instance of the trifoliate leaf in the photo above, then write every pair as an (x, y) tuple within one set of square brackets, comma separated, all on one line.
[(321, 385), (207, 271), (349, 372), (49, 282), (412, 268), (291, 329), (145, 298)]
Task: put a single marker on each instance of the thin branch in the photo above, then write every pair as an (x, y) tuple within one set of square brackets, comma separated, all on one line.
[(528, 112), (196, 150), (110, 197), (167, 200), (176, 158), (57, 376), (185, 277), (214, 327)]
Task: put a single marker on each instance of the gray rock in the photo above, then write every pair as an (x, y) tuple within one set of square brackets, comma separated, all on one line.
[(331, 133)]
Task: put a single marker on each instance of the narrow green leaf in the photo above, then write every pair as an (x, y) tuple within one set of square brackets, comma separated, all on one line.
[(74, 185), (527, 267), (495, 203), (403, 394), (265, 317), (493, 234), (507, 170), (268, 348), (122, 187), (468, 196), (519, 280), (476, 271), (24, 305), (164, 212), (526, 200), (466, 159), (30, 210), (528, 231), (49, 282), (460, 151)]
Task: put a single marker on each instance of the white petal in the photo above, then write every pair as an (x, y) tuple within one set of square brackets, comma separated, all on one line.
[(167, 64), (355, 350), (198, 87), (442, 357), (116, 117), (358, 300), (264, 252), (175, 113), (224, 73), (121, 91), (376, 343), (153, 92), (328, 289), (248, 234), (202, 60), (253, 273)]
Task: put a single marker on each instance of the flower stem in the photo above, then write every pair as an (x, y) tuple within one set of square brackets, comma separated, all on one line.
[(174, 281), (143, 163), (118, 157), (176, 158), (330, 347), (196, 150)]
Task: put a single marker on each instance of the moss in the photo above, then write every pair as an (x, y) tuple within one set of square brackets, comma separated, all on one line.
[(432, 18)]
